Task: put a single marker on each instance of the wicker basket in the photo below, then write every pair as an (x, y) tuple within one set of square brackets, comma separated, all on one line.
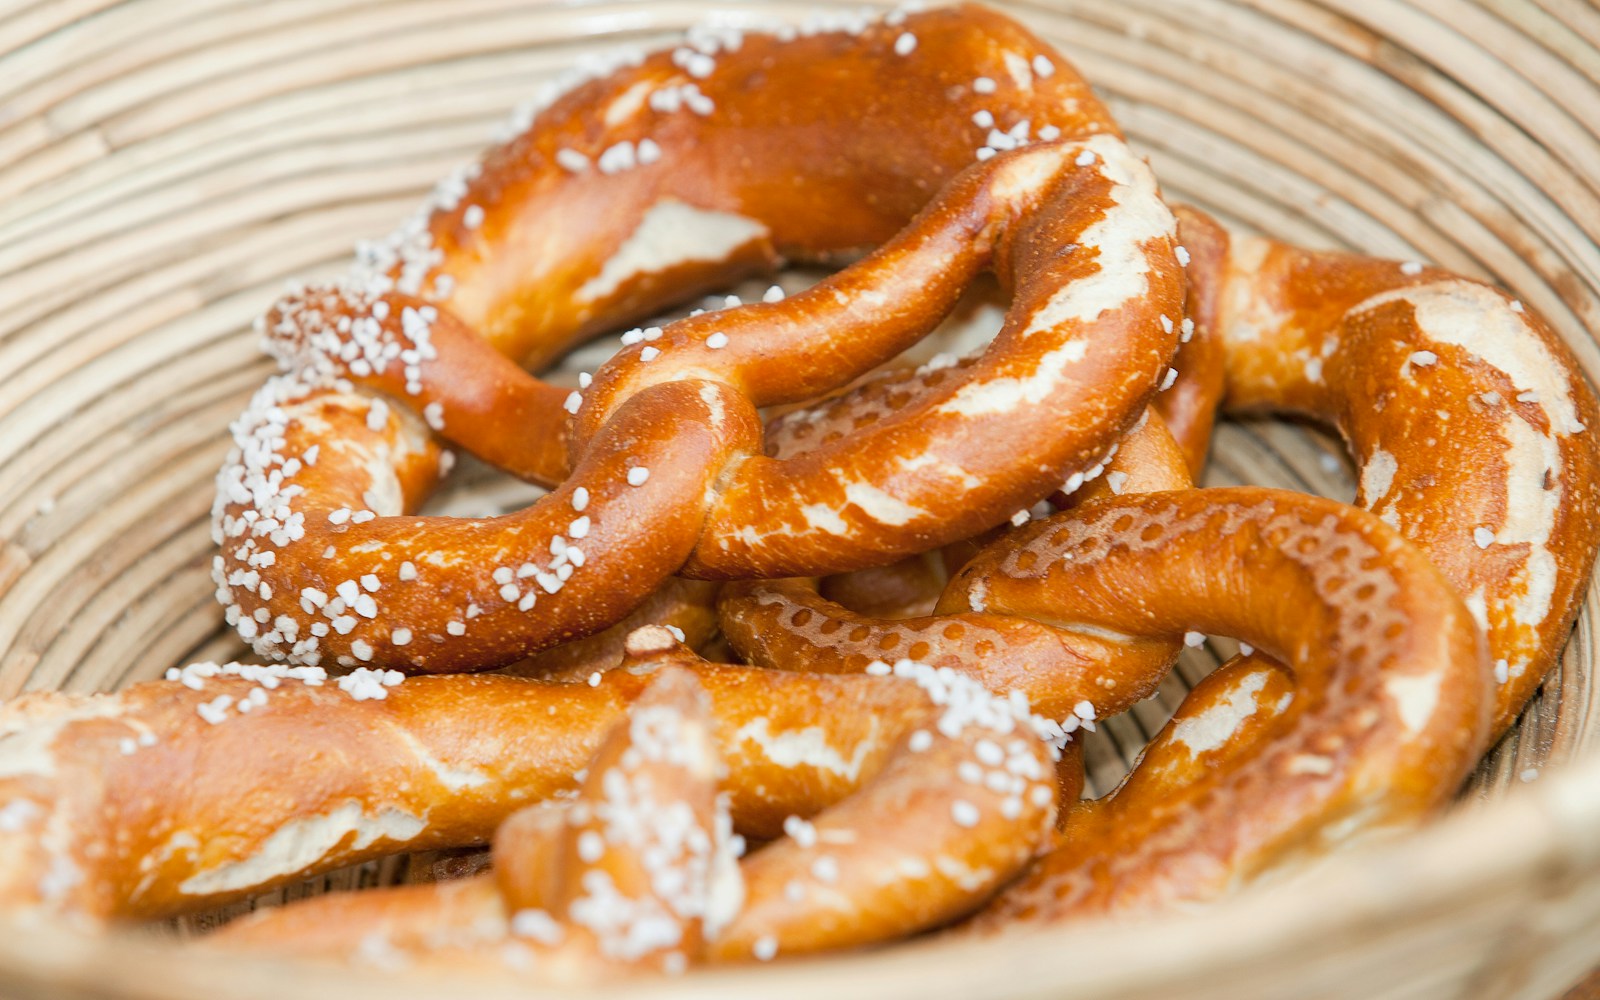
[(166, 164)]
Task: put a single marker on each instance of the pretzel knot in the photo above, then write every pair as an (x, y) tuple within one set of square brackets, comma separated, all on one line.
[(323, 559)]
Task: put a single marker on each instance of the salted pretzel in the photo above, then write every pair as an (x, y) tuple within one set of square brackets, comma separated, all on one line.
[(322, 561), (1072, 673), (635, 872), (223, 782), (1387, 711), (1471, 427), (778, 900)]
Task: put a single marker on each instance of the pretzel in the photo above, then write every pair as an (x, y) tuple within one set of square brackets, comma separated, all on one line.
[(784, 899), (1068, 673), (322, 560), (631, 874), (1391, 691), (1465, 413), (135, 805)]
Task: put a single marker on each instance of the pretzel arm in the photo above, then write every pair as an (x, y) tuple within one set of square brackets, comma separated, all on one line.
[(625, 875), (1249, 693), (449, 594), (1189, 406), (107, 831), (887, 490)]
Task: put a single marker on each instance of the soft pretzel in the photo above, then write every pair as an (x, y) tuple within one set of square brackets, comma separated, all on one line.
[(1472, 429), (804, 893), (1391, 690), (634, 872), (321, 562), (1066, 673), (137, 805)]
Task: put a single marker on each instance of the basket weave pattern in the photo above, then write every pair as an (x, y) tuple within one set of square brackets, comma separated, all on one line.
[(165, 165)]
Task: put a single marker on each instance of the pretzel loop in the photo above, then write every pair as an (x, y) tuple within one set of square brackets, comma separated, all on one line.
[(1391, 689), (1082, 350), (1471, 427)]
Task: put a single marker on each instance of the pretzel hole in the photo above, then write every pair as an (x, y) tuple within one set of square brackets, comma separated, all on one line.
[(955, 632), (799, 618), (918, 650), (889, 642), (830, 626), (860, 633), (1027, 559), (1366, 591)]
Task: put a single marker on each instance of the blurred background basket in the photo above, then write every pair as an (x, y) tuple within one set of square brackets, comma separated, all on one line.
[(165, 165)]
